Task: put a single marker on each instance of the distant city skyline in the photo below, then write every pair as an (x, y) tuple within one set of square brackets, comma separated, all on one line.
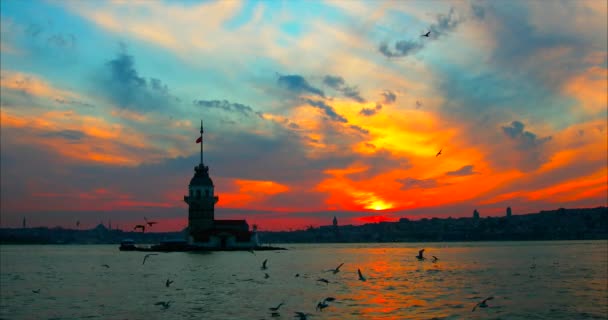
[(311, 110)]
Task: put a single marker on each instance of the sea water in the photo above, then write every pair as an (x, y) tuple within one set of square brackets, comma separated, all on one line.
[(528, 280)]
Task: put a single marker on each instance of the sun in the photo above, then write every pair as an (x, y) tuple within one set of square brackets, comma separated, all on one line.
[(379, 205)]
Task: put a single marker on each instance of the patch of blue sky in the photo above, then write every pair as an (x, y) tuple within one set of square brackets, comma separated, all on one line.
[(245, 15)]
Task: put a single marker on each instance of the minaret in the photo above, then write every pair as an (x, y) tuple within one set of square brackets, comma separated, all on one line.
[(201, 200)]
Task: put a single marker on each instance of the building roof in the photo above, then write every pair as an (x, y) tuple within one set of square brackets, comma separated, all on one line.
[(201, 177)]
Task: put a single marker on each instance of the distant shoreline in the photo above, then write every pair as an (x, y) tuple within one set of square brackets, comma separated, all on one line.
[(560, 224)]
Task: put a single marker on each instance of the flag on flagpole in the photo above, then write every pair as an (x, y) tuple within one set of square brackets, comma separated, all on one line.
[(199, 140)]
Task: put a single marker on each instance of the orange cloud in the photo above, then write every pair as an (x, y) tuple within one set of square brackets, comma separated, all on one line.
[(590, 88), (32, 85), (250, 192)]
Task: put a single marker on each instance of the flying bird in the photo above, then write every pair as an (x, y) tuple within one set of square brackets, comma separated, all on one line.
[(264, 267), (150, 223), (323, 280), (420, 256), (165, 304), (302, 315), (329, 299), (438, 153), (251, 251), (322, 305), (418, 104), (147, 256), (168, 283), (426, 34), (266, 276), (105, 265), (36, 291), (140, 226), (482, 304), (277, 307), (297, 275), (435, 259), (337, 269), (361, 277)]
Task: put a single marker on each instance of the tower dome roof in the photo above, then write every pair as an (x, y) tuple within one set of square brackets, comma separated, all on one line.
[(201, 177)]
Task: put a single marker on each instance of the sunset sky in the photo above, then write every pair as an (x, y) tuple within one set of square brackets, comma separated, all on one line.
[(311, 109)]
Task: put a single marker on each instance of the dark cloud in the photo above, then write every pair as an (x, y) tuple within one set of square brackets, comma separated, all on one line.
[(464, 171), (525, 140), (371, 111), (389, 97), (228, 106), (359, 129), (122, 85), (73, 102), (337, 83), (411, 183), (334, 82), (298, 84), (443, 25), (401, 48), (479, 11), (73, 135), (327, 109), (62, 41)]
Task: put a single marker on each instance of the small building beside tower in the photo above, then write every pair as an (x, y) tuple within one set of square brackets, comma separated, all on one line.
[(203, 229)]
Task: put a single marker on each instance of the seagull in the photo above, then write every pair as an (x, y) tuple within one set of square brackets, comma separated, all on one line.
[(435, 259), (322, 305), (105, 265), (36, 291), (277, 307), (264, 265), (482, 304), (438, 153), (336, 270), (302, 315), (140, 226), (420, 256), (323, 280), (361, 277), (266, 276), (297, 275), (165, 304), (329, 299), (148, 255), (418, 104), (150, 223), (168, 283), (426, 34)]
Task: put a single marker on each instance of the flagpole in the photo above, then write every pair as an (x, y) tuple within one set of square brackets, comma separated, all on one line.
[(201, 143)]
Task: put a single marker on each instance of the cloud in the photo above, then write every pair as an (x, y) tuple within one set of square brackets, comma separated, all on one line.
[(228, 106), (401, 48), (299, 85), (389, 97), (464, 171), (411, 183), (73, 135), (123, 86), (525, 140), (370, 111), (334, 82), (337, 83), (327, 109), (443, 25)]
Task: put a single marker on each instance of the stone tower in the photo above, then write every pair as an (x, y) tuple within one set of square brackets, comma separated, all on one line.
[(201, 200)]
